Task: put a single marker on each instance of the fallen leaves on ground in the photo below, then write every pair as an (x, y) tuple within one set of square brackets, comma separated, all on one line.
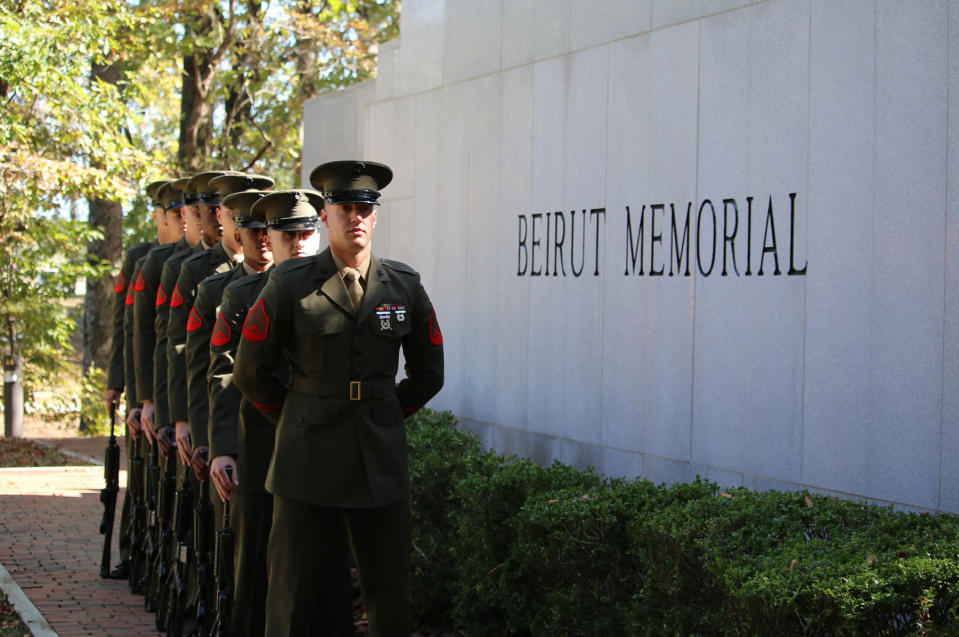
[(20, 452), (10, 623)]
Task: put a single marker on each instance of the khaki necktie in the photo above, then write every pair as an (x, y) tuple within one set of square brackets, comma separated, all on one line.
[(351, 278)]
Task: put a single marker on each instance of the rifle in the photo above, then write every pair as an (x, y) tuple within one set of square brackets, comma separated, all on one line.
[(165, 546), (150, 581), (138, 529), (108, 494), (183, 550), (202, 534), (224, 571)]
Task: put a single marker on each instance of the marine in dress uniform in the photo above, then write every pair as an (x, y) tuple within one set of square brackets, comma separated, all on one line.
[(166, 297), (144, 306), (200, 328), (211, 255), (247, 443), (341, 442), (116, 375), (143, 336), (209, 293)]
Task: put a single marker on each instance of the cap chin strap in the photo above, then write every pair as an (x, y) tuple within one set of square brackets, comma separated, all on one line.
[(248, 223), (352, 196), (209, 198), (282, 221)]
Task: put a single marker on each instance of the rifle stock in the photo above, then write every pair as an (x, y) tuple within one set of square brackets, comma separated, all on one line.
[(152, 534), (166, 546), (202, 534), (138, 545), (182, 555), (224, 571), (108, 495)]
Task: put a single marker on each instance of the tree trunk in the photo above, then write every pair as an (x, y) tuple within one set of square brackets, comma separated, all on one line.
[(196, 112), (197, 89), (97, 313), (107, 216)]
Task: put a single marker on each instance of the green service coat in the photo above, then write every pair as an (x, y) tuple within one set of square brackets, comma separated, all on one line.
[(332, 450), (144, 315), (199, 330), (116, 376), (168, 296), (237, 428), (194, 269)]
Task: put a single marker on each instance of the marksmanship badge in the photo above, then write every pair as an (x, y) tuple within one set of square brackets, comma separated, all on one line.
[(387, 313)]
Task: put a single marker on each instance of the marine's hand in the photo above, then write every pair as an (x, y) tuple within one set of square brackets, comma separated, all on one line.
[(166, 441), (224, 486), (146, 421), (183, 442), (201, 468), (112, 397), (133, 423)]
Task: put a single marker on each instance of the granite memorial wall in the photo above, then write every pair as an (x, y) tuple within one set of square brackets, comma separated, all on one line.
[(675, 238)]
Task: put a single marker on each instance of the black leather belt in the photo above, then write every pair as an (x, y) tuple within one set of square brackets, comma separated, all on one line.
[(345, 389)]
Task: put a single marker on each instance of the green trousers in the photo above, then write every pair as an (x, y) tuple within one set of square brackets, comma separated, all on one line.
[(308, 542)]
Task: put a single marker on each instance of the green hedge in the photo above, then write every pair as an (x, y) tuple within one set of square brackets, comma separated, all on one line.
[(505, 547)]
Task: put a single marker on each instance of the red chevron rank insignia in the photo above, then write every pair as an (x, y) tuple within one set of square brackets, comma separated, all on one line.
[(140, 284), (221, 332), (257, 324), (161, 296), (177, 299), (436, 336), (130, 299), (120, 284), (194, 322)]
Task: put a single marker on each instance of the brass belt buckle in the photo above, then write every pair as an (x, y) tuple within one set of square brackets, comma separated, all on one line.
[(355, 390)]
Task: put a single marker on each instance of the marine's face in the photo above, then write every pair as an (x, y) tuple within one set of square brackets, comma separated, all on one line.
[(192, 216), (296, 243), (158, 217), (174, 225), (256, 248), (350, 225), (229, 230), (210, 224)]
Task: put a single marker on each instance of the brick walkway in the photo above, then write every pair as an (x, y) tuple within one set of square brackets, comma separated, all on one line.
[(49, 520)]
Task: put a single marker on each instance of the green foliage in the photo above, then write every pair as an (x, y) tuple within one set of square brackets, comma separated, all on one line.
[(488, 536), (556, 551), (63, 137), (40, 264), (796, 564), (93, 413), (62, 134), (441, 456), (91, 108)]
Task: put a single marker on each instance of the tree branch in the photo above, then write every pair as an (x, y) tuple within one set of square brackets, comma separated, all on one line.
[(258, 156), (228, 38)]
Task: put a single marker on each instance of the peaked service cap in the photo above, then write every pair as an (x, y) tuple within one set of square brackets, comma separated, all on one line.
[(351, 181), (200, 184), (233, 182), (187, 196), (153, 192), (241, 203), (289, 210), (170, 197)]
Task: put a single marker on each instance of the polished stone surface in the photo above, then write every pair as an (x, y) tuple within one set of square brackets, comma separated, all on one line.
[(532, 116)]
